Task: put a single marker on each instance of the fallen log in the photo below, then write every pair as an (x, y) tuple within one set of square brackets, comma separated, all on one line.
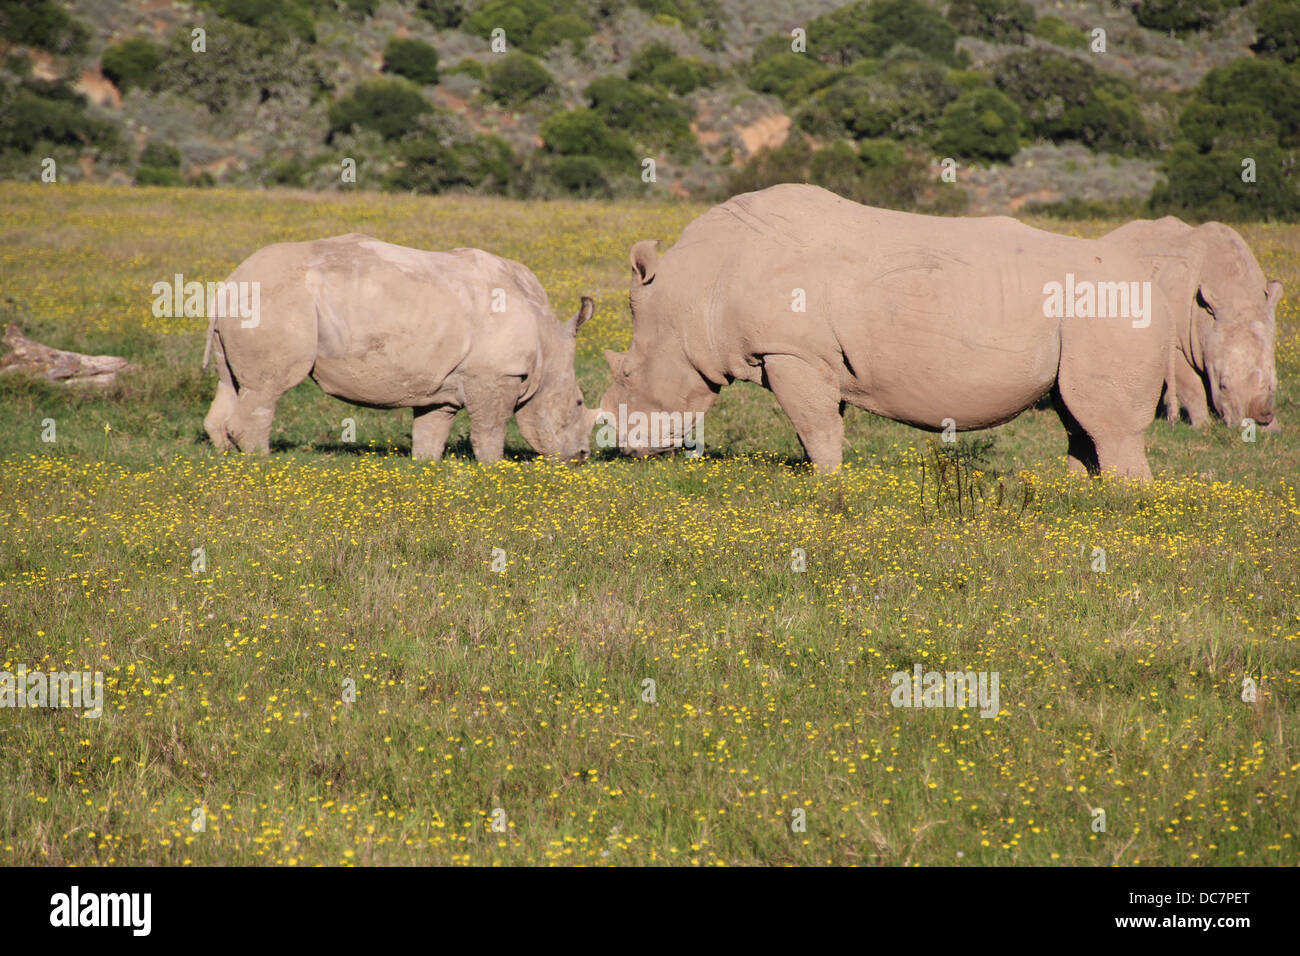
[(58, 365)]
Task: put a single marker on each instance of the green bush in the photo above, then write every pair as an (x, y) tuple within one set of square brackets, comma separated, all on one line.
[(580, 175), (433, 163), (1055, 30), (787, 163), (1277, 24), (443, 14), (655, 120), (982, 124), (866, 29), (688, 12), (517, 17), (1065, 98), (1181, 16), (413, 59), (389, 107), (1247, 109), (278, 17), (35, 112), (131, 63), (582, 132), (557, 29), (516, 78), (682, 75), (778, 74), (470, 67), (648, 59), (42, 23), (159, 165), (1000, 21), (902, 97)]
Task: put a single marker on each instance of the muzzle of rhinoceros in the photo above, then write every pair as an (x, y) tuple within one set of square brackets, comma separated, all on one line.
[(1242, 376)]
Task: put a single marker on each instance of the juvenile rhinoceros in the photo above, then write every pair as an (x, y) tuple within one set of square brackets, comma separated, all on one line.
[(390, 327), (1224, 310), (936, 322)]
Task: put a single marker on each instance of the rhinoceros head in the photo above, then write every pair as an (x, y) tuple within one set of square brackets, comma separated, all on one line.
[(1236, 325), (554, 420)]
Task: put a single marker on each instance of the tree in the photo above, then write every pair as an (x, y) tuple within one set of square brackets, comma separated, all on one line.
[(131, 63), (389, 107), (413, 59), (980, 124)]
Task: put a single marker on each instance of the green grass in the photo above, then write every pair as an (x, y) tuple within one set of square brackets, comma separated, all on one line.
[(524, 691)]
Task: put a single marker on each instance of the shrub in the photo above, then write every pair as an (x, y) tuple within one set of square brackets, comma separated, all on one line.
[(778, 74), (557, 29), (581, 132), (1065, 98), (389, 107), (517, 78), (435, 163), (517, 17), (1055, 30), (868, 29), (159, 165), (580, 175), (1182, 15), (413, 59), (1001, 21), (131, 63), (903, 98), (1277, 25), (470, 67), (48, 111), (982, 124), (648, 59), (681, 75), (656, 120), (42, 23), (443, 14), (282, 17), (1248, 109)]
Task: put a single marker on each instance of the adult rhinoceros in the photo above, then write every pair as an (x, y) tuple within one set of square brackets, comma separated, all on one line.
[(390, 327), (1224, 309), (936, 322)]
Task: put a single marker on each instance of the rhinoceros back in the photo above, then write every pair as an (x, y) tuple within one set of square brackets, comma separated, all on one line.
[(928, 317), (394, 323)]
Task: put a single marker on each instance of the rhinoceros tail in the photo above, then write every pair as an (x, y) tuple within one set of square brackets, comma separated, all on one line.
[(645, 260), (207, 342)]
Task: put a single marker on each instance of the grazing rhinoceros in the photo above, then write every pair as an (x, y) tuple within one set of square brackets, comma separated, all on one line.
[(936, 322), (1224, 310), (390, 327)]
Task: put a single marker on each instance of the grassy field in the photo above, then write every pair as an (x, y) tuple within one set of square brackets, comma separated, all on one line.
[(505, 717)]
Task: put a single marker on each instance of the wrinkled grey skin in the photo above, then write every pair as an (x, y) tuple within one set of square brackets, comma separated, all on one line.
[(385, 326), (1225, 312)]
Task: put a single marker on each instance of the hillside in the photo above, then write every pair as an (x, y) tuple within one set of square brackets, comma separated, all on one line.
[(1030, 101)]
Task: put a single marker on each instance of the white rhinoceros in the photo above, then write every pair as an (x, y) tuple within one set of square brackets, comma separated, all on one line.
[(390, 327), (1225, 311), (936, 322)]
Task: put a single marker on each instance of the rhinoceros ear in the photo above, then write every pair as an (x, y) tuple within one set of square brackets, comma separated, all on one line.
[(615, 360), (585, 311), (645, 260), (1274, 293)]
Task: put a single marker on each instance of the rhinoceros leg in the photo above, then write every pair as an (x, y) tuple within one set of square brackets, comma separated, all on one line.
[(490, 404), (1081, 453), (1117, 429), (250, 426), (810, 395), (429, 431), (223, 406)]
